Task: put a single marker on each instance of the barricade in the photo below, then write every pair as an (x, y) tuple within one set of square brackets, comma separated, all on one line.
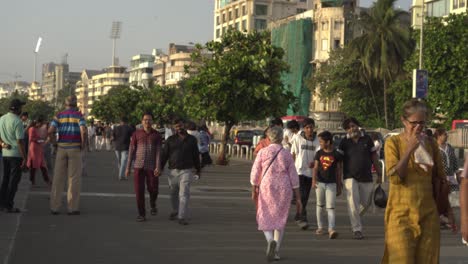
[(212, 147), (241, 152), (235, 149), (218, 147), (229, 149), (251, 154)]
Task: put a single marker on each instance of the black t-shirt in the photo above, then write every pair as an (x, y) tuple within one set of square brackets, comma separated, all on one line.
[(122, 135), (99, 130), (357, 158), (327, 167)]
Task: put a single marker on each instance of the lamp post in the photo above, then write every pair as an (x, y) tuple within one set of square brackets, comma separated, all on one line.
[(36, 50), (421, 37)]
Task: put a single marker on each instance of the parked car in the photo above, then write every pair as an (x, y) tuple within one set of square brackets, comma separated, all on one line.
[(244, 137)]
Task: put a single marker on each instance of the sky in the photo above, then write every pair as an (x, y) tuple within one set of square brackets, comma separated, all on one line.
[(82, 28)]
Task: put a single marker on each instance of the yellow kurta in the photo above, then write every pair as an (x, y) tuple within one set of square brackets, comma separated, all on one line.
[(412, 229)]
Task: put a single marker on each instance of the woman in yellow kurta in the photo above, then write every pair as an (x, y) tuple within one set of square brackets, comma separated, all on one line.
[(412, 231)]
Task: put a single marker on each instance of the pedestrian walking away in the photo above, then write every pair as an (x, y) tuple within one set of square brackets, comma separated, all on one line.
[(121, 135), (71, 128), (204, 146), (303, 149), (181, 152), (91, 136), (274, 179), (327, 182), (418, 191), (359, 154), (144, 153), (13, 153)]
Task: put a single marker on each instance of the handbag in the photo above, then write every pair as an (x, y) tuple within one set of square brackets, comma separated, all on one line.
[(380, 197), (440, 187)]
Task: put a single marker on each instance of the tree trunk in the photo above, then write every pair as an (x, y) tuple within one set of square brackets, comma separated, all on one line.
[(373, 97), (385, 101), (222, 153)]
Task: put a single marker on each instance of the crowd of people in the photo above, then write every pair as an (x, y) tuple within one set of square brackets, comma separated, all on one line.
[(421, 168)]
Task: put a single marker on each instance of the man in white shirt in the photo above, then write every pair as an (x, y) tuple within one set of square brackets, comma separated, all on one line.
[(303, 148), (292, 128), (91, 137)]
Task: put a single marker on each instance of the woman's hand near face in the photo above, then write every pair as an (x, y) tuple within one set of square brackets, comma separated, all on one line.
[(414, 140)]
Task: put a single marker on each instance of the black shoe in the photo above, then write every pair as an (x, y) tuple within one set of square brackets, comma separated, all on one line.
[(173, 216), (54, 212), (154, 211), (13, 210), (74, 213), (183, 222)]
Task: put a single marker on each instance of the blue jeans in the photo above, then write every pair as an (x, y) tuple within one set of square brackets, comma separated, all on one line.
[(326, 196), (122, 157)]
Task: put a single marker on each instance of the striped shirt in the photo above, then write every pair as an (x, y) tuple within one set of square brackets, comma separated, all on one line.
[(68, 125)]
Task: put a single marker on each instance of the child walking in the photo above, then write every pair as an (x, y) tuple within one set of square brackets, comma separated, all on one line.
[(327, 183)]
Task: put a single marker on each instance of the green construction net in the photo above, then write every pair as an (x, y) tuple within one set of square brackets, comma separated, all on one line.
[(295, 37)]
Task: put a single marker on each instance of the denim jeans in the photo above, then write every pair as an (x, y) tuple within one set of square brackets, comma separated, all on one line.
[(326, 197), (122, 157)]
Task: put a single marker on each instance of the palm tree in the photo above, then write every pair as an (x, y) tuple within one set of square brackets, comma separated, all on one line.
[(384, 44)]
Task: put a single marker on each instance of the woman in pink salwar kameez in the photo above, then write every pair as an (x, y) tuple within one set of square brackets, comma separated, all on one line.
[(36, 153), (273, 179)]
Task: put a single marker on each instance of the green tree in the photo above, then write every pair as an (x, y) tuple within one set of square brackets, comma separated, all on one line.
[(165, 102), (240, 81), (342, 77), (118, 102), (35, 108), (445, 57), (384, 45)]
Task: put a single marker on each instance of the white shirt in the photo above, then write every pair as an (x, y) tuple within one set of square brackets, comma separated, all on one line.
[(91, 131), (304, 150), (287, 138)]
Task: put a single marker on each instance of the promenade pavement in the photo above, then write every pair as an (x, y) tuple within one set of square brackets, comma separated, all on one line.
[(222, 226)]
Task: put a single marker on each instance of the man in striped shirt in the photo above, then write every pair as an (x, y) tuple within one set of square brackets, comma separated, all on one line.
[(71, 128)]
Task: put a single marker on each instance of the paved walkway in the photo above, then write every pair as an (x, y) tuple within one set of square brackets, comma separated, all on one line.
[(222, 227)]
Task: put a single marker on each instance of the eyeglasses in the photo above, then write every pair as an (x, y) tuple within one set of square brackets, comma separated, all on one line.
[(415, 123)]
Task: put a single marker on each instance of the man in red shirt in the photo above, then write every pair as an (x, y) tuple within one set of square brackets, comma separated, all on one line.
[(145, 149)]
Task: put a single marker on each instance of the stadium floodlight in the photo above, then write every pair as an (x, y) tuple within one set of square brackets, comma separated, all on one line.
[(36, 50), (115, 34)]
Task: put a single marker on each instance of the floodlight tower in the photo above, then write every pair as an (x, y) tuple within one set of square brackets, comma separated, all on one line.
[(115, 34), (38, 46)]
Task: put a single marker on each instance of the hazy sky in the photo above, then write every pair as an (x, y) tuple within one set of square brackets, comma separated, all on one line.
[(82, 28)]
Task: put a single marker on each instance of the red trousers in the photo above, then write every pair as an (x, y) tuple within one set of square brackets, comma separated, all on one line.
[(152, 185)]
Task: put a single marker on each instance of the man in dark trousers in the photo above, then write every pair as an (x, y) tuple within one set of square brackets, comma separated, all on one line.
[(14, 155), (145, 149), (121, 137), (181, 150)]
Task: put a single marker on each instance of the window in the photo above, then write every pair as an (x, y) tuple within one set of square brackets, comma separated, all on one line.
[(224, 17), (260, 24), (324, 25), (462, 3), (441, 7), (261, 10), (315, 26), (217, 33), (300, 10), (172, 62), (336, 44), (244, 10), (455, 4), (244, 24), (303, 1), (337, 25), (230, 15), (237, 26), (224, 30), (236, 12), (217, 20), (324, 44)]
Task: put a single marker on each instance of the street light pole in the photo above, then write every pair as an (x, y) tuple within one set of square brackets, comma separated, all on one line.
[(421, 37)]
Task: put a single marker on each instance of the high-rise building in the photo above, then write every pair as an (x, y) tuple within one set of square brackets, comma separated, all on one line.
[(100, 84), (82, 87), (56, 77), (435, 8), (170, 69), (141, 70), (249, 15)]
